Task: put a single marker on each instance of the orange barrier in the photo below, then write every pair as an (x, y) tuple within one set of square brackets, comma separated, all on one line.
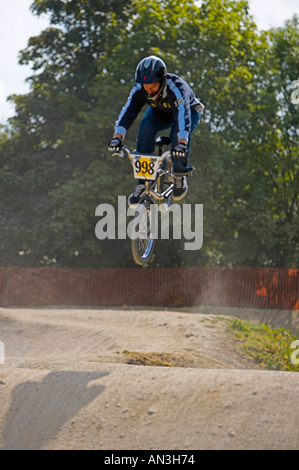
[(152, 287)]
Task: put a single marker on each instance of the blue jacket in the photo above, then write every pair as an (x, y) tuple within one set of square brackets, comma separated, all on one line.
[(177, 97)]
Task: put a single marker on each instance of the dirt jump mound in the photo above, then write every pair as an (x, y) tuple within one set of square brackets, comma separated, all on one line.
[(136, 380)]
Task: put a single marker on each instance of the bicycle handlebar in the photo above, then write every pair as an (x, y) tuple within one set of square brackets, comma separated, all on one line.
[(123, 153)]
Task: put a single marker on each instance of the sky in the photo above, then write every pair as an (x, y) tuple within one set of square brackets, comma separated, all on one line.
[(18, 24)]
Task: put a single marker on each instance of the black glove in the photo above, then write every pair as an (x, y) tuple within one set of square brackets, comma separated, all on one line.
[(115, 145), (179, 151)]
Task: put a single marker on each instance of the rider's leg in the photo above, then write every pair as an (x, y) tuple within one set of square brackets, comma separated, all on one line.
[(153, 121)]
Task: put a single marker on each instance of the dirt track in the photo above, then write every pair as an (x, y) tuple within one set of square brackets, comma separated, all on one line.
[(70, 381)]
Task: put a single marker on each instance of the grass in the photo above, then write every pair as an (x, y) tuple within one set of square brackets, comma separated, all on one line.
[(188, 358), (149, 359), (269, 347)]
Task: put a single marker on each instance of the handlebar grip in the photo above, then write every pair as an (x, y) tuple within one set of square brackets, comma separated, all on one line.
[(123, 153)]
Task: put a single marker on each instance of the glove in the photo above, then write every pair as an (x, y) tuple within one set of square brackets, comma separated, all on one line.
[(115, 145), (179, 151)]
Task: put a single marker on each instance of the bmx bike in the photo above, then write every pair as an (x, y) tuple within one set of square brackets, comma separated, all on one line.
[(158, 176)]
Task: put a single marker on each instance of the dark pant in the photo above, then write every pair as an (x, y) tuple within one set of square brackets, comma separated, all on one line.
[(155, 121)]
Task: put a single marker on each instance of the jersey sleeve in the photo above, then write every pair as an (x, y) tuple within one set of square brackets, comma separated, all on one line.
[(130, 111), (182, 110)]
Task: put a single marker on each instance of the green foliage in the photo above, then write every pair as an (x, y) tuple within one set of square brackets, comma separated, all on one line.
[(54, 166), (269, 347)]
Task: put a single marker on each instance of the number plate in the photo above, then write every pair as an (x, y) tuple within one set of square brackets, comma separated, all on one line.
[(146, 167)]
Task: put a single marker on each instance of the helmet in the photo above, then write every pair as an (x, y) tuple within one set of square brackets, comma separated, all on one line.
[(150, 70)]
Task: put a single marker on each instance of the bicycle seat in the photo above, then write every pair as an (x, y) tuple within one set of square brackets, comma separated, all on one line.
[(162, 140)]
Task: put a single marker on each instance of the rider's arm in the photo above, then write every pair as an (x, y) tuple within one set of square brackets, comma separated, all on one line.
[(129, 112), (182, 111), (118, 136), (182, 115)]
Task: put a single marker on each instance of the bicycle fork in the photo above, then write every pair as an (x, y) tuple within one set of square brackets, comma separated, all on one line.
[(154, 194)]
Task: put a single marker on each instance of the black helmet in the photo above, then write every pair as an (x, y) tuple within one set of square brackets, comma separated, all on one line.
[(150, 70)]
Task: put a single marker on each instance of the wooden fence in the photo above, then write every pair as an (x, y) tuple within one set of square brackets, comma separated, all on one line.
[(152, 287)]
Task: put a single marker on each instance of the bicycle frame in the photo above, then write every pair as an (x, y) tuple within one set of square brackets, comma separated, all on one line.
[(156, 172), (140, 164)]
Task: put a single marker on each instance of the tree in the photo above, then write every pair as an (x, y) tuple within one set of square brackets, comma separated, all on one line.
[(54, 167), (54, 131), (263, 174)]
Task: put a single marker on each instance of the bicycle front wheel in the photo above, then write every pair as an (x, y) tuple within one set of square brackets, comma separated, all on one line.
[(143, 241), (164, 182)]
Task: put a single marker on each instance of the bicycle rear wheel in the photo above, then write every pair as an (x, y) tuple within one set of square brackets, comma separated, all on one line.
[(143, 241)]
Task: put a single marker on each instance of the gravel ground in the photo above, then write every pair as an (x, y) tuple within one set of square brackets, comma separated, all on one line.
[(137, 380)]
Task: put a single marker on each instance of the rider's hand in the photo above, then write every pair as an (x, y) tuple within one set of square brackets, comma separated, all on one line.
[(115, 145), (180, 150)]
